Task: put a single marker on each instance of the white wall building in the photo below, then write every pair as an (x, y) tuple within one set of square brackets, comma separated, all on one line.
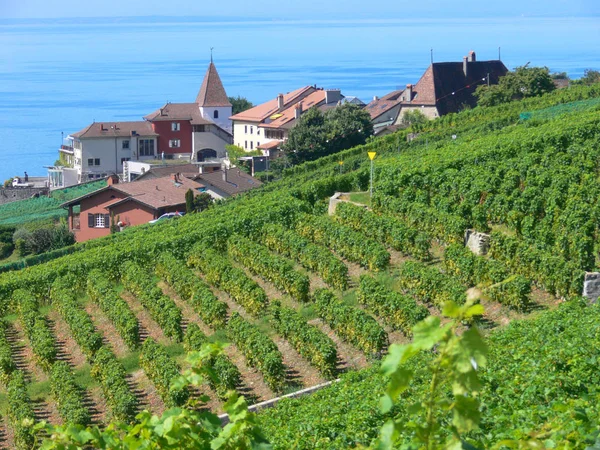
[(101, 148)]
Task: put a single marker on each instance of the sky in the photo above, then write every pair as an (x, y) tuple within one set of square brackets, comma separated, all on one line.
[(297, 9)]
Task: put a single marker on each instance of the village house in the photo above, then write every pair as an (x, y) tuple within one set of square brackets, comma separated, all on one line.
[(265, 126), (196, 131), (445, 87), (227, 182), (129, 204)]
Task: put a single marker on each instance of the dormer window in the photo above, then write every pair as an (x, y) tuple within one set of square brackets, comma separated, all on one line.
[(216, 114)]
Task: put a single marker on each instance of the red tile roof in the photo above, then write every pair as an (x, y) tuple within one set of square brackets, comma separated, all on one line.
[(282, 118), (267, 109), (112, 129), (269, 145), (156, 193), (179, 111), (212, 92), (380, 106)]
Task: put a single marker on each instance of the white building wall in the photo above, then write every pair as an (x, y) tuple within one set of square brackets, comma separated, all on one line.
[(223, 120), (205, 140), (248, 135), (430, 112), (110, 152)]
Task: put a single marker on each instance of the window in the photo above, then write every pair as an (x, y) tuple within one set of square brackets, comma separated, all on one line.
[(125, 159), (245, 128), (251, 130), (200, 129), (126, 144), (251, 145), (245, 144), (93, 162), (97, 161), (258, 131), (90, 161), (146, 147), (174, 143), (98, 220), (216, 114), (175, 126)]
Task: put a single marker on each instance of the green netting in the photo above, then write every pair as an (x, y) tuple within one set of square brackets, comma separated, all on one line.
[(565, 108), (44, 208)]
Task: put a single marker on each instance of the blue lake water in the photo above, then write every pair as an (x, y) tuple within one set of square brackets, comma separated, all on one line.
[(61, 75)]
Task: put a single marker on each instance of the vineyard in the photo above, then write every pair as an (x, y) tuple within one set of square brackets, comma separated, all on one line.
[(302, 297)]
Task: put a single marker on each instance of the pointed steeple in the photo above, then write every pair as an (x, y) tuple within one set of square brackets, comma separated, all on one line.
[(212, 92)]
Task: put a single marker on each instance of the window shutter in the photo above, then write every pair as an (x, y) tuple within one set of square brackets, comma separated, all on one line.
[(106, 220), (91, 221)]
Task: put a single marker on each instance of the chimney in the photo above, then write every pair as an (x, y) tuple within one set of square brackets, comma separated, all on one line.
[(224, 173), (332, 96), (465, 70), (375, 98), (113, 179), (472, 57), (408, 93), (298, 110), (280, 101), (174, 177)]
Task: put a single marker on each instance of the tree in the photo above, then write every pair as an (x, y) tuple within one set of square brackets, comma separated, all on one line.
[(589, 77), (202, 201), (414, 117), (240, 104), (189, 201), (319, 134), (523, 82)]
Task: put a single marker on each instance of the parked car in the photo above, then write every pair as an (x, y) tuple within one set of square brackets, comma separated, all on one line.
[(171, 215)]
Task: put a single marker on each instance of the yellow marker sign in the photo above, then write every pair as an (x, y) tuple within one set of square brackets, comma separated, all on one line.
[(341, 163), (371, 155)]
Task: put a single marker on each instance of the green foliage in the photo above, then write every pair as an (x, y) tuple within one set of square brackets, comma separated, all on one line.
[(43, 238), (68, 395), (36, 328), (351, 324), (414, 117), (44, 208), (101, 292), (429, 285), (315, 258), (260, 351), (590, 76), (235, 152), (523, 82), (220, 273), (7, 364), (308, 340), (162, 370), (138, 280), (80, 324), (319, 134), (225, 375), (193, 290), (441, 419), (203, 201), (349, 244), (279, 271), (385, 229), (111, 375), (239, 104), (189, 201), (398, 311), (491, 275), (20, 412)]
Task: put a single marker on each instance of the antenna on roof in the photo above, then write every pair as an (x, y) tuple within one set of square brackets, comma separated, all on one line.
[(211, 52), (431, 51), (499, 59)]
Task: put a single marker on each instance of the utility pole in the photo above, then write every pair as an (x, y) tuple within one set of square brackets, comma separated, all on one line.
[(371, 157), (488, 79), (431, 55), (499, 59)]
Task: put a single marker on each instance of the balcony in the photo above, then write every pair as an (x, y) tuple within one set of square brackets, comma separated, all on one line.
[(67, 149)]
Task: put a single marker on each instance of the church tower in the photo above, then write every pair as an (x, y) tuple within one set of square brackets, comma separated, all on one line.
[(212, 99)]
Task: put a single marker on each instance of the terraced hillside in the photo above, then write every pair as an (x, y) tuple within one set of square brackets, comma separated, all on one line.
[(303, 297)]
